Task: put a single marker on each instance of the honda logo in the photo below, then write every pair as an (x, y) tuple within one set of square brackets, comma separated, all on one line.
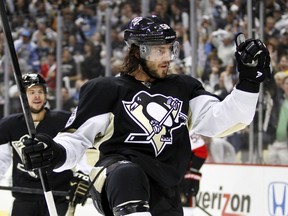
[(278, 199)]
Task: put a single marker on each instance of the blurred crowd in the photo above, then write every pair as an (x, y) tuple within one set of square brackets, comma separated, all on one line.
[(34, 30)]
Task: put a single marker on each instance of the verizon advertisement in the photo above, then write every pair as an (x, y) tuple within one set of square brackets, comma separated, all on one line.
[(242, 190), (225, 190)]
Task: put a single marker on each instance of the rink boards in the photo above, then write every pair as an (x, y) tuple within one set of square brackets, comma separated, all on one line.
[(234, 190)]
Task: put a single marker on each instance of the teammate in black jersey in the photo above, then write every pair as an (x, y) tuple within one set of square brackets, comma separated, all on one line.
[(13, 132), (140, 120)]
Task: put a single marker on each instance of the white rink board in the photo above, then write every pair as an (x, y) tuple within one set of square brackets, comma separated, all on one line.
[(234, 190), (7, 199), (244, 190)]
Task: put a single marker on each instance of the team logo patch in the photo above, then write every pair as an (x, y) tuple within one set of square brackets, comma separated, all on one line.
[(158, 116), (71, 118), (136, 20), (259, 74)]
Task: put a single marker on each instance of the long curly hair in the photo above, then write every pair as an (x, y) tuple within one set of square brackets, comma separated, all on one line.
[(131, 60)]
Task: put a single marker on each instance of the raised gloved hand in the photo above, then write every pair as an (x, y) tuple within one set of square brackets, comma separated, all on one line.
[(190, 186), (42, 152), (79, 188), (253, 60)]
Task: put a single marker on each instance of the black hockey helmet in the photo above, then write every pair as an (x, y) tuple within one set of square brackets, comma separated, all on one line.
[(148, 31), (34, 79)]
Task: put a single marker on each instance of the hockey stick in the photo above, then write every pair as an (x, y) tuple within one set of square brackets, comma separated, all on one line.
[(24, 103), (71, 210), (81, 189), (195, 204), (203, 210), (32, 190)]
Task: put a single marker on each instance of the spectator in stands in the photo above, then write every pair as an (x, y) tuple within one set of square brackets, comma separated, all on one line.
[(48, 71), (40, 7), (27, 49), (86, 18), (204, 42), (100, 46), (212, 70), (269, 29), (283, 63), (220, 89), (126, 13), (283, 42), (272, 43), (19, 13), (272, 6), (69, 68), (91, 66), (215, 10), (279, 76), (160, 10), (45, 47), (183, 38), (43, 31), (278, 150), (79, 83), (74, 45), (223, 41), (68, 102), (68, 15), (21, 7), (179, 15)]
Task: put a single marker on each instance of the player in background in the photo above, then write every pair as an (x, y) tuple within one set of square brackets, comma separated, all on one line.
[(190, 184), (13, 132), (140, 122)]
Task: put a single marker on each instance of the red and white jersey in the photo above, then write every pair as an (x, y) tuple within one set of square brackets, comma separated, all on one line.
[(198, 146)]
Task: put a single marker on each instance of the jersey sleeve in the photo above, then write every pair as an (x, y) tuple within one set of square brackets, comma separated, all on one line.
[(88, 121), (5, 124), (214, 118), (199, 150), (5, 159)]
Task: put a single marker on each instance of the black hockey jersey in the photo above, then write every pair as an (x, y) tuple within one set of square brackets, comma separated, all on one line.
[(148, 122), (13, 130)]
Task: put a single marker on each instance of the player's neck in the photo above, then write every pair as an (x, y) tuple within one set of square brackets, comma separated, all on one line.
[(37, 117), (140, 75)]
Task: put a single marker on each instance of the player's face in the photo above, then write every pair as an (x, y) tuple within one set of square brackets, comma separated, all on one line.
[(158, 60), (36, 98), (158, 69)]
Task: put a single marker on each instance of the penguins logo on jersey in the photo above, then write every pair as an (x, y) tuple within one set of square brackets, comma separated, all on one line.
[(158, 116), (18, 146)]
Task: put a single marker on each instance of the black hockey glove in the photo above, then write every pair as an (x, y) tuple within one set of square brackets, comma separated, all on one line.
[(253, 62), (193, 177), (42, 152), (190, 185), (79, 188)]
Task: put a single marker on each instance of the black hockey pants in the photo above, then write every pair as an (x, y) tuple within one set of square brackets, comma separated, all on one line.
[(126, 181)]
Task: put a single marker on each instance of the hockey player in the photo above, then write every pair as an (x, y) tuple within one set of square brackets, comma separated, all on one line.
[(139, 121), (13, 132), (190, 184)]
